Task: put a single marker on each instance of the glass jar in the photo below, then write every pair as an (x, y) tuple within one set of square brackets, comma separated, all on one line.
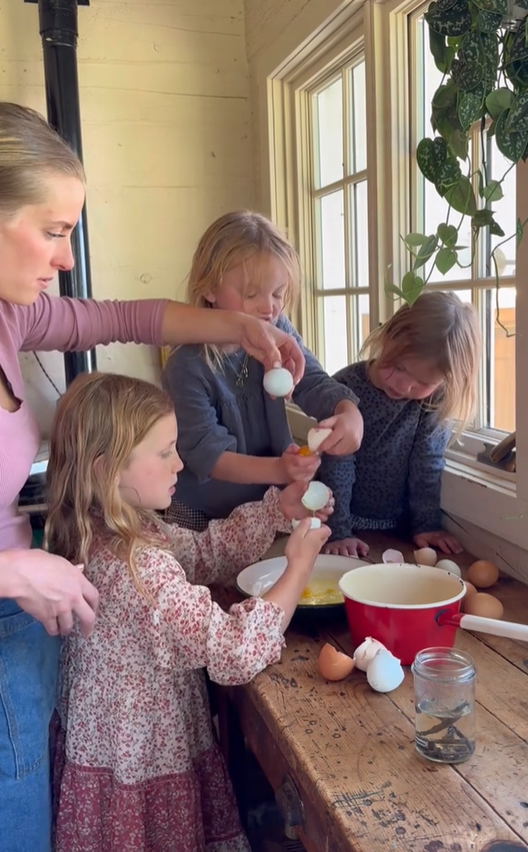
[(444, 697)]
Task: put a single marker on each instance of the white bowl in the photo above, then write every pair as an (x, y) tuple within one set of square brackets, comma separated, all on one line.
[(257, 579)]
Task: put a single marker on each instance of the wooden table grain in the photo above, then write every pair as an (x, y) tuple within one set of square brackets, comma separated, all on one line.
[(350, 755)]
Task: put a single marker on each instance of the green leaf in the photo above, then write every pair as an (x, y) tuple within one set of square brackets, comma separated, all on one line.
[(469, 107), (471, 51), (447, 175), (391, 288), (511, 145), (426, 251), (496, 229), (447, 234), (458, 143), (519, 231), (489, 22), (442, 5), (497, 101), (469, 76), (482, 218), (490, 46), (412, 286), (493, 191), (445, 96), (518, 118), (426, 159), (462, 198), (414, 240), (454, 21), (438, 48), (499, 6), (445, 260), (440, 149)]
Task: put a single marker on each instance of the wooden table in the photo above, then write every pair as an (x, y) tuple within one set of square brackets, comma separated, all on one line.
[(349, 754)]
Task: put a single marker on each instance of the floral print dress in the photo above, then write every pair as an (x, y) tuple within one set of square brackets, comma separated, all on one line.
[(139, 769)]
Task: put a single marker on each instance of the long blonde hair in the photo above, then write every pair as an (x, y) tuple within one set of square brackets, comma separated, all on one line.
[(30, 151), (441, 329), (98, 422), (233, 240)]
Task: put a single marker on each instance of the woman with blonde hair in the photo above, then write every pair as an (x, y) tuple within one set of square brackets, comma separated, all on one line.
[(141, 770), (417, 382), (234, 438), (42, 189)]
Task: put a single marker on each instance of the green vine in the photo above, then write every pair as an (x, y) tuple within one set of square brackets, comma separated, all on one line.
[(483, 56)]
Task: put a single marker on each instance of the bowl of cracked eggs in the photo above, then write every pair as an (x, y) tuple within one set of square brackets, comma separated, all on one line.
[(321, 595)]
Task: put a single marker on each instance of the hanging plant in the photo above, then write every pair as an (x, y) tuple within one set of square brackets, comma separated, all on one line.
[(481, 48)]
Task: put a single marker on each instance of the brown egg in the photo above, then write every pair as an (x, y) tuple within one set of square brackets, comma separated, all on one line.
[(470, 590), (483, 604), (334, 665), (483, 573)]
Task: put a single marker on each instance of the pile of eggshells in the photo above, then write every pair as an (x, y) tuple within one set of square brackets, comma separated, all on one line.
[(482, 574), (383, 670)]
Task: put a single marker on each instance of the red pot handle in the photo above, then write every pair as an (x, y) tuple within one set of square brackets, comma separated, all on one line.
[(492, 626)]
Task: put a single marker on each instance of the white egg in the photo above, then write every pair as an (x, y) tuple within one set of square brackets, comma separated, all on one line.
[(316, 437), (384, 672), (366, 652), (392, 556), (449, 565), (316, 496), (315, 523), (278, 382), (425, 556)]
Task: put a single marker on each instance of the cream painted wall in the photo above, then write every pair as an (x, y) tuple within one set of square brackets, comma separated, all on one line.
[(164, 100), (275, 31)]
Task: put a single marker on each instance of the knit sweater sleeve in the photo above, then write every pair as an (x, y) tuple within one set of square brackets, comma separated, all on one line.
[(317, 394), (426, 464)]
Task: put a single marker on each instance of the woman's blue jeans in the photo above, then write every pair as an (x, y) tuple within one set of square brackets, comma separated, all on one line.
[(28, 687)]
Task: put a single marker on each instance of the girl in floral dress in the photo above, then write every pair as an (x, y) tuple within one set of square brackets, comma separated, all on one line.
[(139, 769)]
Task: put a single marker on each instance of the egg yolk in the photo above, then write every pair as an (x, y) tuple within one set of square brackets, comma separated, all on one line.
[(305, 451), (318, 594)]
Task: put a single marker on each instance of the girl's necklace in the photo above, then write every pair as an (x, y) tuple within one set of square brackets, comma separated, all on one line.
[(243, 372)]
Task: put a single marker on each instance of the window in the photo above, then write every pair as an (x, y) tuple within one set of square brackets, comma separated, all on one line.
[(339, 211), (475, 282), (346, 112)]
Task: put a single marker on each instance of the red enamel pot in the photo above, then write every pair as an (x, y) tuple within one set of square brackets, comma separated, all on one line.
[(411, 607)]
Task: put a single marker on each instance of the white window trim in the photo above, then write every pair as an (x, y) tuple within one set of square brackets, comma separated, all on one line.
[(478, 493)]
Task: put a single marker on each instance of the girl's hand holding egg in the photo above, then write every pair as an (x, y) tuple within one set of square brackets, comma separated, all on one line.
[(301, 500), (305, 543), (278, 382), (296, 466), (346, 427)]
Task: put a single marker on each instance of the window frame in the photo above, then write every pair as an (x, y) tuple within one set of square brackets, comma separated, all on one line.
[(472, 491)]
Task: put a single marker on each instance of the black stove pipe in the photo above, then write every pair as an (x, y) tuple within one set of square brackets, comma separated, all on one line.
[(58, 28)]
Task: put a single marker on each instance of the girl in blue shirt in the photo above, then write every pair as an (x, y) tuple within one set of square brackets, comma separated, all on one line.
[(418, 378), (233, 438)]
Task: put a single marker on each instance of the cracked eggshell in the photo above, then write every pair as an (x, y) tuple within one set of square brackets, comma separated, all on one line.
[(315, 524), (316, 496), (278, 382), (333, 664), (384, 672), (449, 565), (316, 437), (392, 556), (425, 556), (366, 652)]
